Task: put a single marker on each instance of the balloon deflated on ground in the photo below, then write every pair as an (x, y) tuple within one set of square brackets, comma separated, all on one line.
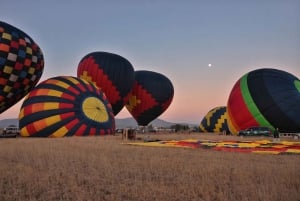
[(265, 97), (151, 95), (21, 65), (66, 106), (215, 121), (259, 147), (110, 72)]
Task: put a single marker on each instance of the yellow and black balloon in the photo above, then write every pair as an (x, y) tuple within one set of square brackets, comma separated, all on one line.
[(66, 106), (112, 73), (21, 65), (151, 95), (215, 121), (265, 97)]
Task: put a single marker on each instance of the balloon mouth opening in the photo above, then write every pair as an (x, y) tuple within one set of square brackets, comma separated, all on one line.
[(94, 109)]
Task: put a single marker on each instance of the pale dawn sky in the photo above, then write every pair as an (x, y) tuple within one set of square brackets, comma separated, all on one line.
[(176, 38)]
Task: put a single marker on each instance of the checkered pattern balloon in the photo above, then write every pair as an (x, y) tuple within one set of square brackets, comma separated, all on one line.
[(21, 65)]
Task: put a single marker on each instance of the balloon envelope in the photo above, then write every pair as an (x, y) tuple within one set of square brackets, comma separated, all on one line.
[(110, 72), (265, 97), (215, 120), (151, 95), (66, 106), (21, 65)]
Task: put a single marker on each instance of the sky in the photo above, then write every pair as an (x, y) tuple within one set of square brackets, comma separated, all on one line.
[(202, 46)]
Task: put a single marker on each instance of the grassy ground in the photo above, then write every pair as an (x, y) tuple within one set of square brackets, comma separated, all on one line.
[(101, 168)]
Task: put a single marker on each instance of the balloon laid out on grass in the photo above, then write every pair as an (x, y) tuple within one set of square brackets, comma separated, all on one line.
[(110, 72), (215, 121), (151, 95), (66, 106), (21, 65), (265, 97)]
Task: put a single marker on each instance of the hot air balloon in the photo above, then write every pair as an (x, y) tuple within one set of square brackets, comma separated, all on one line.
[(265, 97), (110, 72), (66, 106), (215, 121), (21, 65), (151, 95)]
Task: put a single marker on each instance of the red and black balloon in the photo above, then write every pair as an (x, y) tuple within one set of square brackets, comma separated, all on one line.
[(112, 73), (21, 65), (151, 95)]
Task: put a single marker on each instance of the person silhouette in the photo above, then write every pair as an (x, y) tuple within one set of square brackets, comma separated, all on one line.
[(276, 135)]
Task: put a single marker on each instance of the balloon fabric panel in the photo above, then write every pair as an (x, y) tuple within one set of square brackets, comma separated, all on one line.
[(257, 116), (297, 85), (159, 85), (257, 147), (150, 96), (141, 101), (110, 72), (280, 102), (240, 117), (92, 72), (83, 111), (271, 98), (215, 120), (21, 65)]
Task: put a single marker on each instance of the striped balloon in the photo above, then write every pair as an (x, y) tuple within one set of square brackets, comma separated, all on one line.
[(21, 65), (265, 97), (215, 121), (66, 106)]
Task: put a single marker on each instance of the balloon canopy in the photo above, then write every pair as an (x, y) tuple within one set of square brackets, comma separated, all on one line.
[(21, 65), (215, 121), (265, 97), (151, 95), (110, 72), (66, 106)]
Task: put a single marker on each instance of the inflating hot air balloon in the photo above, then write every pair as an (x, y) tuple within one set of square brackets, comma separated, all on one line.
[(265, 97), (151, 95), (66, 106), (215, 121), (21, 65), (110, 72)]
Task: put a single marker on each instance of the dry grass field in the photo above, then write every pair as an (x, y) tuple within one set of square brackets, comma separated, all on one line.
[(101, 168)]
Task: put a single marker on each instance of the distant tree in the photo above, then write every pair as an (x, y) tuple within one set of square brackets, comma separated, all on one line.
[(150, 127), (180, 127)]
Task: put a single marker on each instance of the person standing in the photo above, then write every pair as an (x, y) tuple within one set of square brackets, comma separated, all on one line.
[(276, 135)]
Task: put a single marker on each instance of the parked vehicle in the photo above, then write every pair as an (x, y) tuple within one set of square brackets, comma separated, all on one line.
[(10, 132), (256, 131)]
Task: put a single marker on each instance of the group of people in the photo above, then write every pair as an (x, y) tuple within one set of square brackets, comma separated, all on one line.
[(129, 134)]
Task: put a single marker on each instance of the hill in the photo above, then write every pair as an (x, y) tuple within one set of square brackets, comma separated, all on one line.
[(130, 122), (6, 122), (120, 123)]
